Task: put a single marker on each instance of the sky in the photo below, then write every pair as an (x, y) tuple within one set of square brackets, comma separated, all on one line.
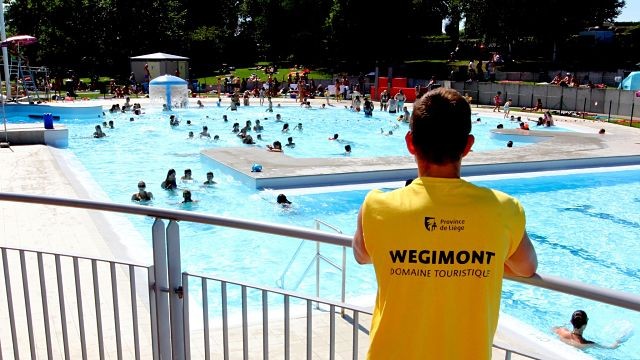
[(631, 11)]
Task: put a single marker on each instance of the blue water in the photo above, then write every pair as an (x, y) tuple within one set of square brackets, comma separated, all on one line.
[(368, 137), (582, 227)]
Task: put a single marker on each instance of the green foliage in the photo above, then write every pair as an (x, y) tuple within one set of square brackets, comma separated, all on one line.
[(99, 36)]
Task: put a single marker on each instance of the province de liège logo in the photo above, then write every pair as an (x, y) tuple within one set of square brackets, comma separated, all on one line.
[(430, 223)]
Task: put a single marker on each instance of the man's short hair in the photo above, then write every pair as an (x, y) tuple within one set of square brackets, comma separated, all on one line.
[(440, 125)]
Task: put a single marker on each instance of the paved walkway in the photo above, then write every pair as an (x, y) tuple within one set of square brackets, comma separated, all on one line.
[(36, 170)]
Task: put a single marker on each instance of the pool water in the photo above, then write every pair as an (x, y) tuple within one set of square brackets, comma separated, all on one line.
[(368, 137), (578, 223)]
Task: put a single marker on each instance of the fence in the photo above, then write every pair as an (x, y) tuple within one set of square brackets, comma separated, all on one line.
[(565, 99), (112, 325)]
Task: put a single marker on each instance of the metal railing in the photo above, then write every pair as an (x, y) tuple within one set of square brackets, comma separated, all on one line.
[(107, 309), (170, 327), (317, 258)]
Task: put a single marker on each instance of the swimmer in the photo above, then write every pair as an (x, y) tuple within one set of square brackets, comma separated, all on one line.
[(205, 132), (187, 175), (257, 127), (278, 118), (499, 126), (236, 127), (283, 201), (285, 127), (290, 142), (247, 126), (131, 119), (224, 118), (169, 182), (574, 337), (186, 196), (142, 194), (347, 150), (276, 147), (248, 140), (190, 135), (601, 132), (219, 102), (216, 137), (510, 143), (200, 104), (99, 133), (209, 179), (335, 137), (259, 137), (188, 122), (173, 120), (110, 124), (298, 127)]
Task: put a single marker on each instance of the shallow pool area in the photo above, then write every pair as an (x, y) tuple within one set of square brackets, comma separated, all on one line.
[(578, 222), (379, 135)]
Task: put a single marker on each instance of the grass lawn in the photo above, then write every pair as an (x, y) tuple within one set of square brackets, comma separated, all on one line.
[(281, 74)]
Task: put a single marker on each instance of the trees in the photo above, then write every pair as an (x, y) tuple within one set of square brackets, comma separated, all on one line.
[(508, 23), (100, 35)]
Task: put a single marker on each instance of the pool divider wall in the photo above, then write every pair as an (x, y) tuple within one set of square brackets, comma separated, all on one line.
[(31, 134), (237, 162)]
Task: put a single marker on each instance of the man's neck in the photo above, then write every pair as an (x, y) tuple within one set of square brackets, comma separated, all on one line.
[(449, 171)]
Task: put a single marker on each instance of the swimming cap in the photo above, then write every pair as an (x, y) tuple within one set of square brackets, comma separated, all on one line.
[(256, 168)]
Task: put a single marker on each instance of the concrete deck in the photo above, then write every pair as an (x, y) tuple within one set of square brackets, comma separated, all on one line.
[(39, 170)]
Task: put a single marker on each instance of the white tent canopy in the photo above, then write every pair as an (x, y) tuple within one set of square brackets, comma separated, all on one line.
[(160, 64)]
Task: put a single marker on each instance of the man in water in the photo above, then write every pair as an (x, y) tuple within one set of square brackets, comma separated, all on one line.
[(283, 201), (209, 179), (440, 246), (574, 337), (142, 194)]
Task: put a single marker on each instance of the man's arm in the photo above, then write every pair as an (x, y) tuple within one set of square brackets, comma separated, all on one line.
[(524, 261), (359, 250)]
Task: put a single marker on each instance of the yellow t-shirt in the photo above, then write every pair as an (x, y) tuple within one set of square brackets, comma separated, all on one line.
[(438, 247)]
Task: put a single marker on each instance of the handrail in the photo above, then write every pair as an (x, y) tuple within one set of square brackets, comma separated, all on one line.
[(270, 228), (320, 222), (608, 296), (286, 268), (318, 256)]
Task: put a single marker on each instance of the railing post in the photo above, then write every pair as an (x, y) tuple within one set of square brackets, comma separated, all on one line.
[(161, 287), (175, 290), (317, 272), (344, 278)]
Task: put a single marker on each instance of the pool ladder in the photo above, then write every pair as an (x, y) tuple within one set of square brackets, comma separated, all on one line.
[(316, 260)]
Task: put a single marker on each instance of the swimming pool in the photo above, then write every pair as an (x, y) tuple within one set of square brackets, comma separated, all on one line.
[(368, 137), (567, 233)]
